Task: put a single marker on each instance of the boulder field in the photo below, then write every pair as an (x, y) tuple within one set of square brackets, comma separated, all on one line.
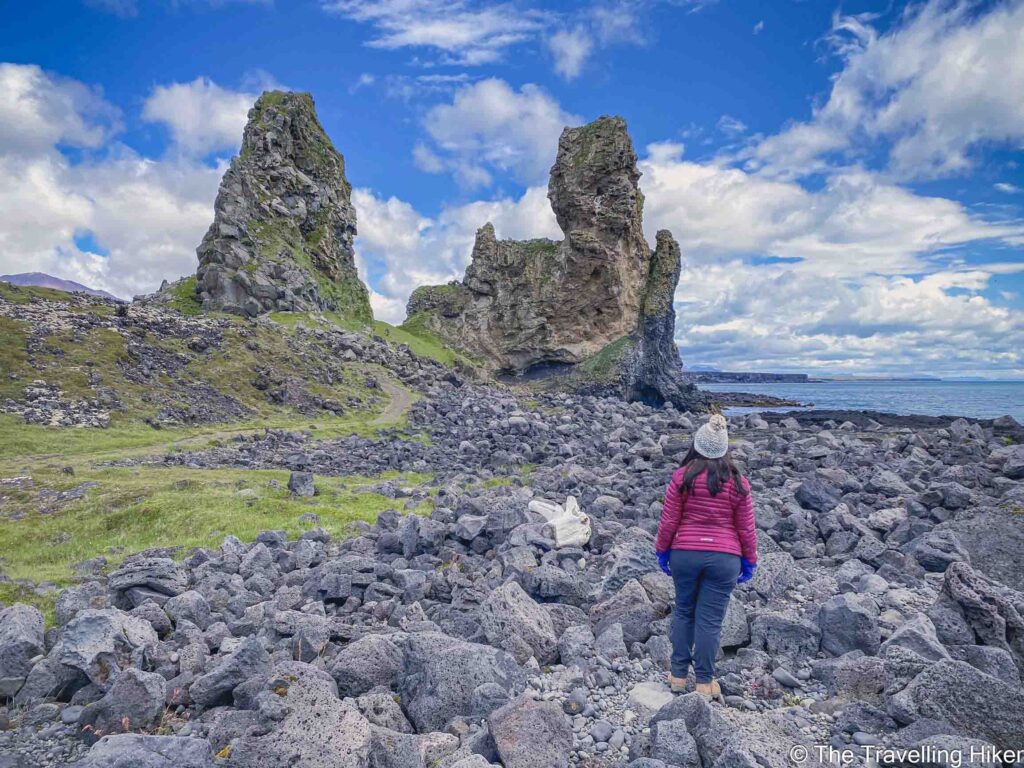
[(488, 633)]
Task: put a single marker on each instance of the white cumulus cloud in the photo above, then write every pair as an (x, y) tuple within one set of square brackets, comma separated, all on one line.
[(570, 49), (463, 31), (490, 126), (201, 116), (942, 83), (145, 215)]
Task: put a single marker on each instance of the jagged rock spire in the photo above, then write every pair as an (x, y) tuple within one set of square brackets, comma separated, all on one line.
[(284, 222)]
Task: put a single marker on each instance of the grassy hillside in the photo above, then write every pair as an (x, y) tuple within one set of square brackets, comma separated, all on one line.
[(172, 379)]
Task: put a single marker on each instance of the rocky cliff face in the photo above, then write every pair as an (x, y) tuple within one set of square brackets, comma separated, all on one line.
[(652, 368), (282, 235), (598, 301)]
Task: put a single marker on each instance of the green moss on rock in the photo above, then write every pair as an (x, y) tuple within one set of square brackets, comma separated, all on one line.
[(605, 365)]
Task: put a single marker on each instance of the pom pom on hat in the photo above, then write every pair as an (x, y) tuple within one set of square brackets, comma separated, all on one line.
[(712, 439)]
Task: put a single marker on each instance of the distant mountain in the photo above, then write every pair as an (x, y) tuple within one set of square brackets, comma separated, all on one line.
[(41, 280)]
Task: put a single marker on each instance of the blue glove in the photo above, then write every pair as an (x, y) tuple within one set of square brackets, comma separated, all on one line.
[(747, 569), (663, 562)]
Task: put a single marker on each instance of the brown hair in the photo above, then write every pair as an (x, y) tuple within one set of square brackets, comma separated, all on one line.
[(719, 472)]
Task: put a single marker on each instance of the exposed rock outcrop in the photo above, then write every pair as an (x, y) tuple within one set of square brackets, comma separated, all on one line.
[(598, 301), (284, 223)]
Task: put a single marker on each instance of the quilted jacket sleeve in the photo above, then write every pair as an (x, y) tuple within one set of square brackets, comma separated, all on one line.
[(671, 514), (743, 519)]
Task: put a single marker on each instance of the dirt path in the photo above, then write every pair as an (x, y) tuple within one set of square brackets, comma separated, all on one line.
[(401, 401)]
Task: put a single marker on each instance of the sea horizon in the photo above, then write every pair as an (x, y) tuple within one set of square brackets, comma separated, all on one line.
[(905, 397)]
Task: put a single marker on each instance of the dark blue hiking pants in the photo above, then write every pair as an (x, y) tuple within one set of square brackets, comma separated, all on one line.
[(704, 582)]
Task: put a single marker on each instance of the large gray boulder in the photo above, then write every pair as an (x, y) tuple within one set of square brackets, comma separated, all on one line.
[(991, 539), (21, 639), (785, 636), (531, 734), (1013, 466), (975, 704), (135, 702), (630, 607), (938, 549), (390, 749), (817, 494), (887, 483), (711, 732), (441, 673), (370, 661), (148, 578), (307, 725), (672, 743), (849, 622), (917, 636), (990, 613), (511, 620), (776, 572), (576, 645), (77, 598), (216, 686), (735, 626), (100, 642), (189, 606), (381, 709), (130, 750), (631, 556)]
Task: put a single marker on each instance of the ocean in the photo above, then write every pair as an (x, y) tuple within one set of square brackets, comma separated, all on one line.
[(977, 399)]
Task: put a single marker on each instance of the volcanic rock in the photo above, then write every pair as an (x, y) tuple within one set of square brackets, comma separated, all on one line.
[(284, 224), (597, 303)]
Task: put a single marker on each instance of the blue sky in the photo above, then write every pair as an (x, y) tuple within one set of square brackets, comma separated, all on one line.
[(845, 181)]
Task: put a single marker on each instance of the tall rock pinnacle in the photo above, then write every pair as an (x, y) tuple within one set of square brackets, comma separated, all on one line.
[(597, 304), (282, 234)]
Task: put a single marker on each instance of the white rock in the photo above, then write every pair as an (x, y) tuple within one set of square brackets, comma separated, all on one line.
[(645, 699)]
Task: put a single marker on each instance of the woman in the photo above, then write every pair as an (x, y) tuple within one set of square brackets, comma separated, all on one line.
[(707, 544)]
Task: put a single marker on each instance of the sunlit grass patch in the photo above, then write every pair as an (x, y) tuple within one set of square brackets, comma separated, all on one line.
[(135, 508)]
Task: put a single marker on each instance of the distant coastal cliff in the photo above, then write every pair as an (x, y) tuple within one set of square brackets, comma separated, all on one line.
[(745, 377)]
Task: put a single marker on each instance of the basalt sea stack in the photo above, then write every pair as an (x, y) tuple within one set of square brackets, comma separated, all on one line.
[(281, 239), (594, 308)]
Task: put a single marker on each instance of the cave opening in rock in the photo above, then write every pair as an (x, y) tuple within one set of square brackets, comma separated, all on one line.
[(649, 396), (545, 369)]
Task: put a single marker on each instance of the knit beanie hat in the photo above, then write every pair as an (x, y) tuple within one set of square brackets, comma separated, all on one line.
[(712, 439)]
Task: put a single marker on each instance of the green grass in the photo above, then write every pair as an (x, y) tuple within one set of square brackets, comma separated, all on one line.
[(13, 356), (21, 443), (140, 507), (317, 319), (45, 600), (504, 481), (423, 341), (185, 299), (23, 294), (420, 340)]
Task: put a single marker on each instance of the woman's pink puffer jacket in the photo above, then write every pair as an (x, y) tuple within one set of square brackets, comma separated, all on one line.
[(698, 520)]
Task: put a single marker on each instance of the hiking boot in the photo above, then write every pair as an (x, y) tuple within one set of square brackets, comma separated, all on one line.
[(712, 691), (677, 684)]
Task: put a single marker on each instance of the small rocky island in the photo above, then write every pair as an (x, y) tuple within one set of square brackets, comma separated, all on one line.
[(363, 551)]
